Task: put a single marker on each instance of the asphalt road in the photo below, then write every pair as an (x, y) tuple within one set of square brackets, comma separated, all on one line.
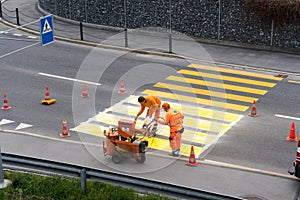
[(258, 143)]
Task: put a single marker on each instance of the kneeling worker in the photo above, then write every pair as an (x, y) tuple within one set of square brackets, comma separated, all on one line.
[(174, 119), (153, 104)]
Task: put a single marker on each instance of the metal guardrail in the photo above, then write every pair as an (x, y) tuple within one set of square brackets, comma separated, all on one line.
[(11, 161)]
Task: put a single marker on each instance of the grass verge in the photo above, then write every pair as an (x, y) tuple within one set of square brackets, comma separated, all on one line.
[(27, 186)]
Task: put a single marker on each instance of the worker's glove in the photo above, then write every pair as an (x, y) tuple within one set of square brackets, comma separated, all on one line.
[(170, 138)]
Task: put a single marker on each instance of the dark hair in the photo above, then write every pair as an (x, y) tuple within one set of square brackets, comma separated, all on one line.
[(141, 99)]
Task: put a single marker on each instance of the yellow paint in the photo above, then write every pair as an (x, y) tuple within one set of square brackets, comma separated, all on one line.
[(91, 129), (206, 92), (217, 85), (198, 111), (292, 81), (233, 71), (227, 78), (207, 102), (154, 143)]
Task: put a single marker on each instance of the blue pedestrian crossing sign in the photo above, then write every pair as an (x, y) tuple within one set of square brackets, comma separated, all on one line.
[(46, 30)]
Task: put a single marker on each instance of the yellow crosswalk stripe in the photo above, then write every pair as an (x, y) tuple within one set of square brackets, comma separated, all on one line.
[(292, 81), (227, 78), (197, 111), (217, 85), (153, 143), (207, 102), (190, 110), (233, 71), (206, 92), (216, 127)]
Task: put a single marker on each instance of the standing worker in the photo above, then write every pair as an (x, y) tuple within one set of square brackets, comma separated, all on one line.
[(174, 119), (153, 105)]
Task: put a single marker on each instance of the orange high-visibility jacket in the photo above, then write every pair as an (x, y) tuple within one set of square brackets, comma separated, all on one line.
[(151, 101), (174, 119)]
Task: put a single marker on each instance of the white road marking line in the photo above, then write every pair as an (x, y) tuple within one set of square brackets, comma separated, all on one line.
[(17, 34), (32, 37), (287, 117), (6, 121), (23, 125), (69, 79), (19, 50)]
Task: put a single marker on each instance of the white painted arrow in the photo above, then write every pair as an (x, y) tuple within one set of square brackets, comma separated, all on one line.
[(23, 125), (5, 121)]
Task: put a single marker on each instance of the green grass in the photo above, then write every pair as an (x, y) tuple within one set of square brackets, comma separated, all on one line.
[(27, 186)]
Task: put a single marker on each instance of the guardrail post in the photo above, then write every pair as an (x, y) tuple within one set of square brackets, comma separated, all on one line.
[(81, 31), (3, 182), (83, 179), (1, 170), (126, 37), (0, 9), (17, 16)]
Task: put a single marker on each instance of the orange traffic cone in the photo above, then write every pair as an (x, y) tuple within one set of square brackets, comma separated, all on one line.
[(84, 92), (292, 137), (5, 103), (122, 88), (192, 159), (253, 111), (47, 100), (65, 131)]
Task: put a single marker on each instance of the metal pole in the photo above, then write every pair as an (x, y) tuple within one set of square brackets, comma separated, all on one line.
[(272, 32), (85, 8), (83, 179), (81, 31), (170, 26), (69, 9), (0, 9), (125, 24), (17, 16), (219, 20)]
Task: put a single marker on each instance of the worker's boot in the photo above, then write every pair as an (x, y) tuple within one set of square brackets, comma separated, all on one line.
[(154, 129)]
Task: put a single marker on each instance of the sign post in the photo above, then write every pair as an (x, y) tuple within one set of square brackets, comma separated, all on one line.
[(46, 30)]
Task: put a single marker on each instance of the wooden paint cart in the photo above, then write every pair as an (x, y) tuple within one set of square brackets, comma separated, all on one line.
[(123, 142)]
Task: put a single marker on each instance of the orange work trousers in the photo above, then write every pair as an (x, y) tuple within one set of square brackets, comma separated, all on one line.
[(176, 142)]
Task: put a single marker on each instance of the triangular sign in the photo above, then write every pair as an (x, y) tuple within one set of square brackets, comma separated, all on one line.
[(47, 28), (23, 125)]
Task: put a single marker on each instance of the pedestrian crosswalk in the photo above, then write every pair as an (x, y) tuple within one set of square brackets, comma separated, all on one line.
[(213, 99)]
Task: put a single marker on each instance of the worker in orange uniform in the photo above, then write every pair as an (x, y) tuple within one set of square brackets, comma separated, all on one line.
[(153, 104), (174, 119)]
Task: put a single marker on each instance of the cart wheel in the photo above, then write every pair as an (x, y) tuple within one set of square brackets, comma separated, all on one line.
[(142, 159), (116, 158)]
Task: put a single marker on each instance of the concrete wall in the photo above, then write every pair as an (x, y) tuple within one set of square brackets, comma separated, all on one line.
[(201, 18)]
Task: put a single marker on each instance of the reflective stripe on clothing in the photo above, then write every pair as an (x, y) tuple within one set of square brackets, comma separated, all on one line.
[(174, 119)]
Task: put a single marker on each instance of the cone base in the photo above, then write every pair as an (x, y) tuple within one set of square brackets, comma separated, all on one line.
[(65, 135), (253, 115), (6, 107), (192, 164), (48, 102), (291, 139), (84, 95), (122, 92)]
